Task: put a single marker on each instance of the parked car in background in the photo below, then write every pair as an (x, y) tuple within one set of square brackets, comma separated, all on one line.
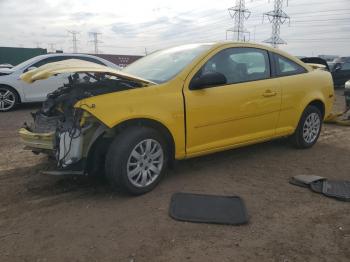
[(339, 68), (176, 103), (342, 59), (340, 73), (13, 91), (316, 60)]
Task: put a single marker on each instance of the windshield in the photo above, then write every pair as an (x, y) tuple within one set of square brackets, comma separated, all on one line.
[(161, 66), (25, 63)]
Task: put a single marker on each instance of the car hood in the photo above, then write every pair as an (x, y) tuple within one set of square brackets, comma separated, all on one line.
[(77, 66)]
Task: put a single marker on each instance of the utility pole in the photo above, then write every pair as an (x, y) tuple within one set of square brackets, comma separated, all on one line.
[(51, 47), (95, 40), (277, 17), (74, 40), (239, 14)]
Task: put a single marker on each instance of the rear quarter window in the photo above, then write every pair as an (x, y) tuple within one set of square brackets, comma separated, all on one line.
[(286, 67)]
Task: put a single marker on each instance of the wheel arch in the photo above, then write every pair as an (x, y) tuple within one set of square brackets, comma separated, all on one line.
[(100, 137), (147, 122), (319, 104)]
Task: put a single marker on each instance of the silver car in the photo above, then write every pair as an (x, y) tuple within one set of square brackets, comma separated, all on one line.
[(14, 91)]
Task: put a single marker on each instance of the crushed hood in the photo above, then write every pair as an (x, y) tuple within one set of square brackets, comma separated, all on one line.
[(76, 66)]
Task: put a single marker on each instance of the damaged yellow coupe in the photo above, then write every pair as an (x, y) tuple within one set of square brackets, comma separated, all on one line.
[(176, 103)]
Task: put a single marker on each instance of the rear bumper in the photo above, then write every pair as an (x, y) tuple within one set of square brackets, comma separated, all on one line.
[(37, 140)]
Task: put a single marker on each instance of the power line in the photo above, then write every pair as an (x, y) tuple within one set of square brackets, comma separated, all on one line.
[(74, 40), (95, 40), (212, 33), (276, 18), (239, 13), (52, 47)]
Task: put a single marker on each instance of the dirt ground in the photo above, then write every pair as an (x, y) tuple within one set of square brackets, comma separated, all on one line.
[(45, 218)]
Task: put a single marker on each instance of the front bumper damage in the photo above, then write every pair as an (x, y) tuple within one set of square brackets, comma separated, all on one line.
[(46, 143), (61, 128), (37, 142), (69, 144)]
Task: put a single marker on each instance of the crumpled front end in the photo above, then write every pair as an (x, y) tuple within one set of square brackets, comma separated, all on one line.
[(65, 131), (37, 141), (65, 138)]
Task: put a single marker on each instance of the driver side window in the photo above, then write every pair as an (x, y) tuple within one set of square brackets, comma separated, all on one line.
[(240, 64), (50, 60)]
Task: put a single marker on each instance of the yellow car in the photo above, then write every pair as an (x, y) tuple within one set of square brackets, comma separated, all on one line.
[(176, 103)]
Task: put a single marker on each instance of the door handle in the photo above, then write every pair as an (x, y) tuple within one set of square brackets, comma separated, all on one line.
[(269, 93)]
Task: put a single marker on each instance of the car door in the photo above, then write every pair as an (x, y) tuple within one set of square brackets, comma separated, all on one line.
[(243, 110), (38, 90)]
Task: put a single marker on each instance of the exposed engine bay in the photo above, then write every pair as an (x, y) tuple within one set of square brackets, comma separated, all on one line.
[(73, 130)]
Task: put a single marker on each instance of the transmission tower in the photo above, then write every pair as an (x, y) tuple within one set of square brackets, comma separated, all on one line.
[(52, 47), (74, 40), (277, 17), (239, 14), (95, 40)]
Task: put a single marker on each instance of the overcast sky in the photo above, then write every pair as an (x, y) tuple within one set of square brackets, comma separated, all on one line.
[(130, 26)]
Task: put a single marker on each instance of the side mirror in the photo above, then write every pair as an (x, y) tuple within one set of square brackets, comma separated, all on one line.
[(30, 68), (208, 79)]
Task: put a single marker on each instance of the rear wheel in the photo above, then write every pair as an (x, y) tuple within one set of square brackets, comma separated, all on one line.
[(309, 128), (136, 160), (8, 98)]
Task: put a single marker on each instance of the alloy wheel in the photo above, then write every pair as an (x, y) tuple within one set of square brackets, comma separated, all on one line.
[(145, 163), (7, 99), (311, 128)]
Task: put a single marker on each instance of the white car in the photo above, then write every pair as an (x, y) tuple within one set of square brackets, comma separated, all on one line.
[(14, 91), (347, 85)]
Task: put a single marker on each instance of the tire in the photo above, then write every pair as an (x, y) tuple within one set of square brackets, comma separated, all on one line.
[(309, 128), (128, 165), (8, 98)]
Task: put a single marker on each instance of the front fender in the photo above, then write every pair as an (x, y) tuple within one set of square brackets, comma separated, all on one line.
[(160, 103)]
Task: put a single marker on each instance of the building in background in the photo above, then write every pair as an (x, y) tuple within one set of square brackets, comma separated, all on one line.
[(119, 60), (16, 55)]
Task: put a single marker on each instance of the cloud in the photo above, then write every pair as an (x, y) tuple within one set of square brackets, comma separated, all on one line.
[(82, 16), (132, 26)]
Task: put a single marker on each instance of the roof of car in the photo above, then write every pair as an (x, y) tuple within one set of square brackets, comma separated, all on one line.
[(109, 63), (66, 54)]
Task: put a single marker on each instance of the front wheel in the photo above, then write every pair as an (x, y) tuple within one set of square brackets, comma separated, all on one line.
[(309, 128), (136, 160), (8, 98)]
